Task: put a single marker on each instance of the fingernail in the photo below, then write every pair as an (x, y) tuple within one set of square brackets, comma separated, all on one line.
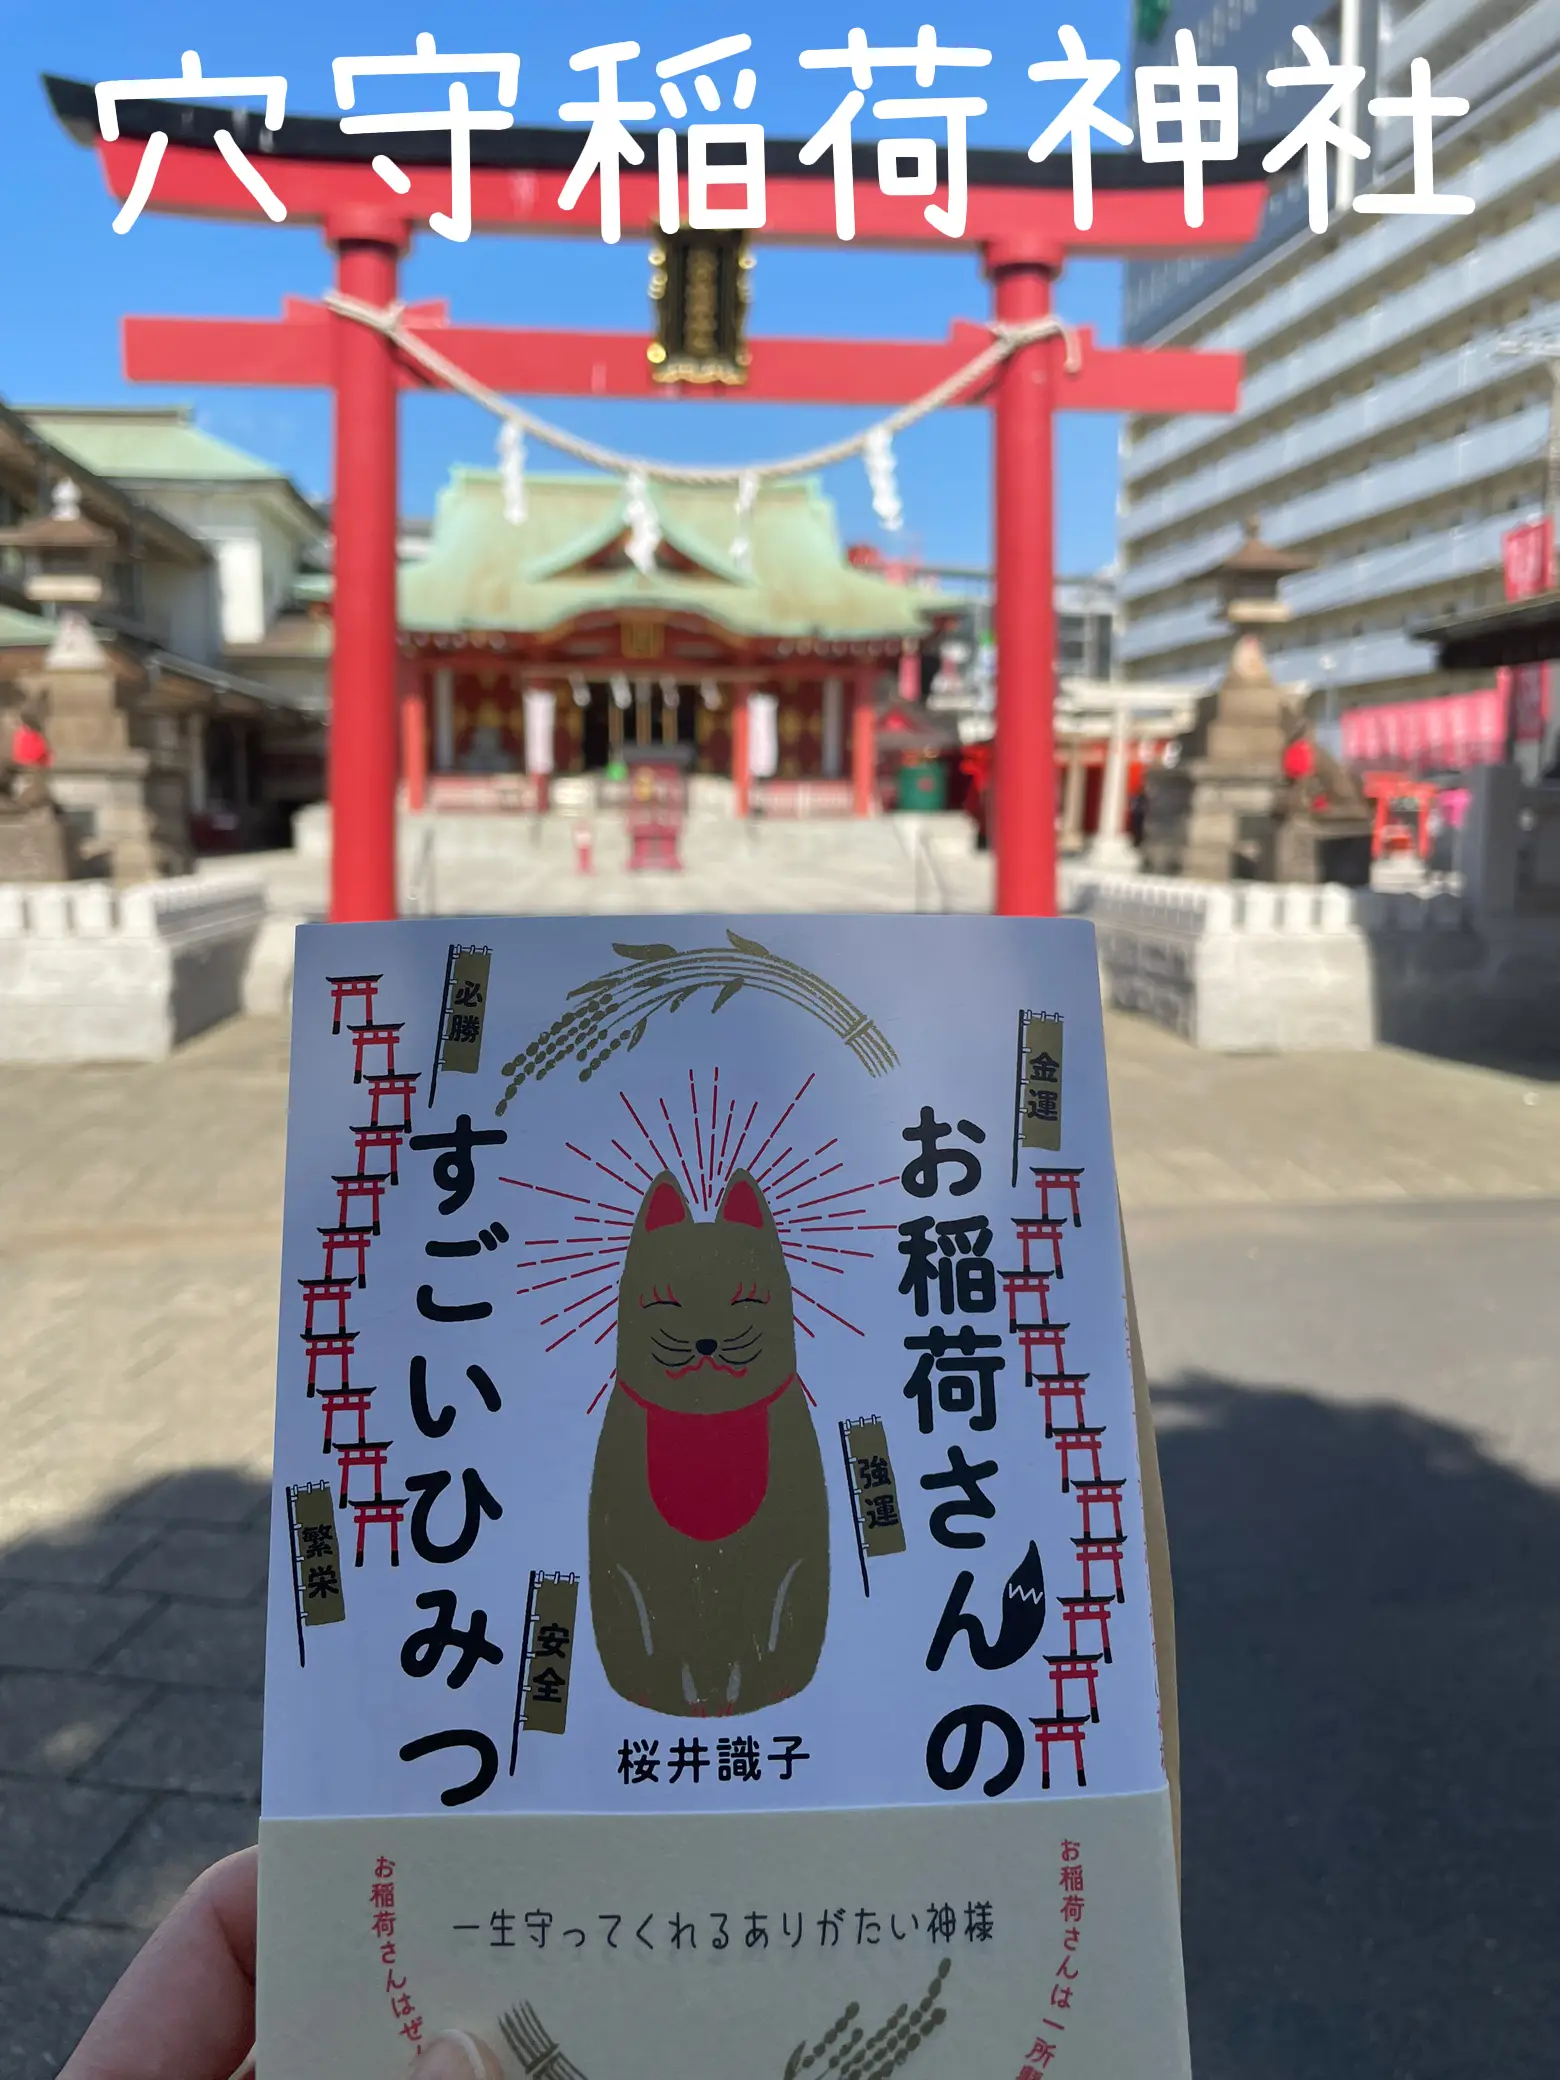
[(454, 2055)]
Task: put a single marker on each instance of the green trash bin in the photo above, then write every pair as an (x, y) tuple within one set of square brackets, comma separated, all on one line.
[(923, 786)]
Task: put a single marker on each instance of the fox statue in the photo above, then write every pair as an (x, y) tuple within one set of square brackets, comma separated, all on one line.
[(709, 1529)]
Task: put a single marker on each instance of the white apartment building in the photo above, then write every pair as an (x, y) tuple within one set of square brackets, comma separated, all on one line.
[(1380, 431), (263, 534)]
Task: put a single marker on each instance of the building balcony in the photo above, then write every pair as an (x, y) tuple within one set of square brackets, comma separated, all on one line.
[(1375, 659), (1473, 459), (1513, 41), (1379, 660), (1465, 286), (1525, 255), (1342, 429)]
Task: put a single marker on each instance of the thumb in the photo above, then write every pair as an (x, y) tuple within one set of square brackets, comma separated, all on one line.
[(456, 2056)]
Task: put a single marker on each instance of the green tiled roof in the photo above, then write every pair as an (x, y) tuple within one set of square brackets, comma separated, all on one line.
[(19, 631), (148, 444), (481, 572)]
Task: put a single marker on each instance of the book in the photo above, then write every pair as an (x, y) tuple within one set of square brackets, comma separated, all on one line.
[(711, 1625)]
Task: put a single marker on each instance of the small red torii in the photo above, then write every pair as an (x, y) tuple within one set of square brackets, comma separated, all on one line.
[(1020, 215)]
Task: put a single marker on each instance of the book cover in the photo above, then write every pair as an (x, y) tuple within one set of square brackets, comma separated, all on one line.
[(710, 1620)]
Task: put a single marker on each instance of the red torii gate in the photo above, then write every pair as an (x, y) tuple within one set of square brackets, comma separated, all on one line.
[(1020, 215)]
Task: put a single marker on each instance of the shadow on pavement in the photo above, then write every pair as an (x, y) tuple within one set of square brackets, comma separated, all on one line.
[(1533, 1064), (131, 1665), (1370, 1712)]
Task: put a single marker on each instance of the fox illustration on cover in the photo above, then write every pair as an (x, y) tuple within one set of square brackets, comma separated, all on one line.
[(709, 1535)]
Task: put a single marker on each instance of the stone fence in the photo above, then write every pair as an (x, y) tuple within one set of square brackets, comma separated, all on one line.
[(89, 972), (1264, 968), (1249, 968)]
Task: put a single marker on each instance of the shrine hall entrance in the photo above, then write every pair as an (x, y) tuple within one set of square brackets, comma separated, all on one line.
[(488, 722), (481, 728), (620, 713)]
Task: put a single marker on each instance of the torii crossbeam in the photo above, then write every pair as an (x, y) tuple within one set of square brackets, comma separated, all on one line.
[(1020, 214)]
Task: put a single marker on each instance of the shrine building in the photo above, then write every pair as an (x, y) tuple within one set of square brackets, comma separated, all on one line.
[(752, 645)]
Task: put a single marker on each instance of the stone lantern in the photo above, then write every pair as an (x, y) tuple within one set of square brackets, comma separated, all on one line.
[(1249, 579), (1252, 718), (1213, 815), (67, 562), (124, 791)]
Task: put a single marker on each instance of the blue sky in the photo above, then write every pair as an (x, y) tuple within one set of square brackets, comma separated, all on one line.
[(69, 278)]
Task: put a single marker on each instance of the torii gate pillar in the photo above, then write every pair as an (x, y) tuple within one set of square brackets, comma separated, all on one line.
[(1024, 779), (364, 747)]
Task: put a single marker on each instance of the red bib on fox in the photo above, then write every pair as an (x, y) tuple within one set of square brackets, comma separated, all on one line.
[(708, 1474)]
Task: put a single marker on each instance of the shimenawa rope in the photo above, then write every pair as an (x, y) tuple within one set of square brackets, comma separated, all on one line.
[(390, 320), (873, 442)]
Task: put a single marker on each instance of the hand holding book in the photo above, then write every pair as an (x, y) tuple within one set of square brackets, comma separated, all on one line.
[(187, 2003)]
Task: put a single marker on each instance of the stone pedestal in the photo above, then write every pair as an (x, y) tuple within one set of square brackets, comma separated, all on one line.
[(1490, 849), (125, 795), (129, 812), (1312, 848), (1211, 817), (33, 843)]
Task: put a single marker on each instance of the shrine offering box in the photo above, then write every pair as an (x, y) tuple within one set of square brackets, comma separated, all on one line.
[(711, 1629)]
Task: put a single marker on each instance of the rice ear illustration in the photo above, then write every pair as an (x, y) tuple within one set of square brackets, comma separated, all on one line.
[(850, 2054), (614, 1011), (845, 2052)]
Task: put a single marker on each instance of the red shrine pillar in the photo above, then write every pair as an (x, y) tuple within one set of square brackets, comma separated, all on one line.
[(741, 763), (1024, 777), (364, 725), (863, 746), (414, 739)]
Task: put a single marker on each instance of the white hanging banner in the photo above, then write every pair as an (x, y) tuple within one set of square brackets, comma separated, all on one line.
[(511, 472), (539, 708), (878, 455), (644, 527), (763, 736), (741, 541)]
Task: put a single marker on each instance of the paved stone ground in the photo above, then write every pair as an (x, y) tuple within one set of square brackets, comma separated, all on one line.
[(1349, 1306), (1385, 1128), (528, 865), (138, 1237)]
